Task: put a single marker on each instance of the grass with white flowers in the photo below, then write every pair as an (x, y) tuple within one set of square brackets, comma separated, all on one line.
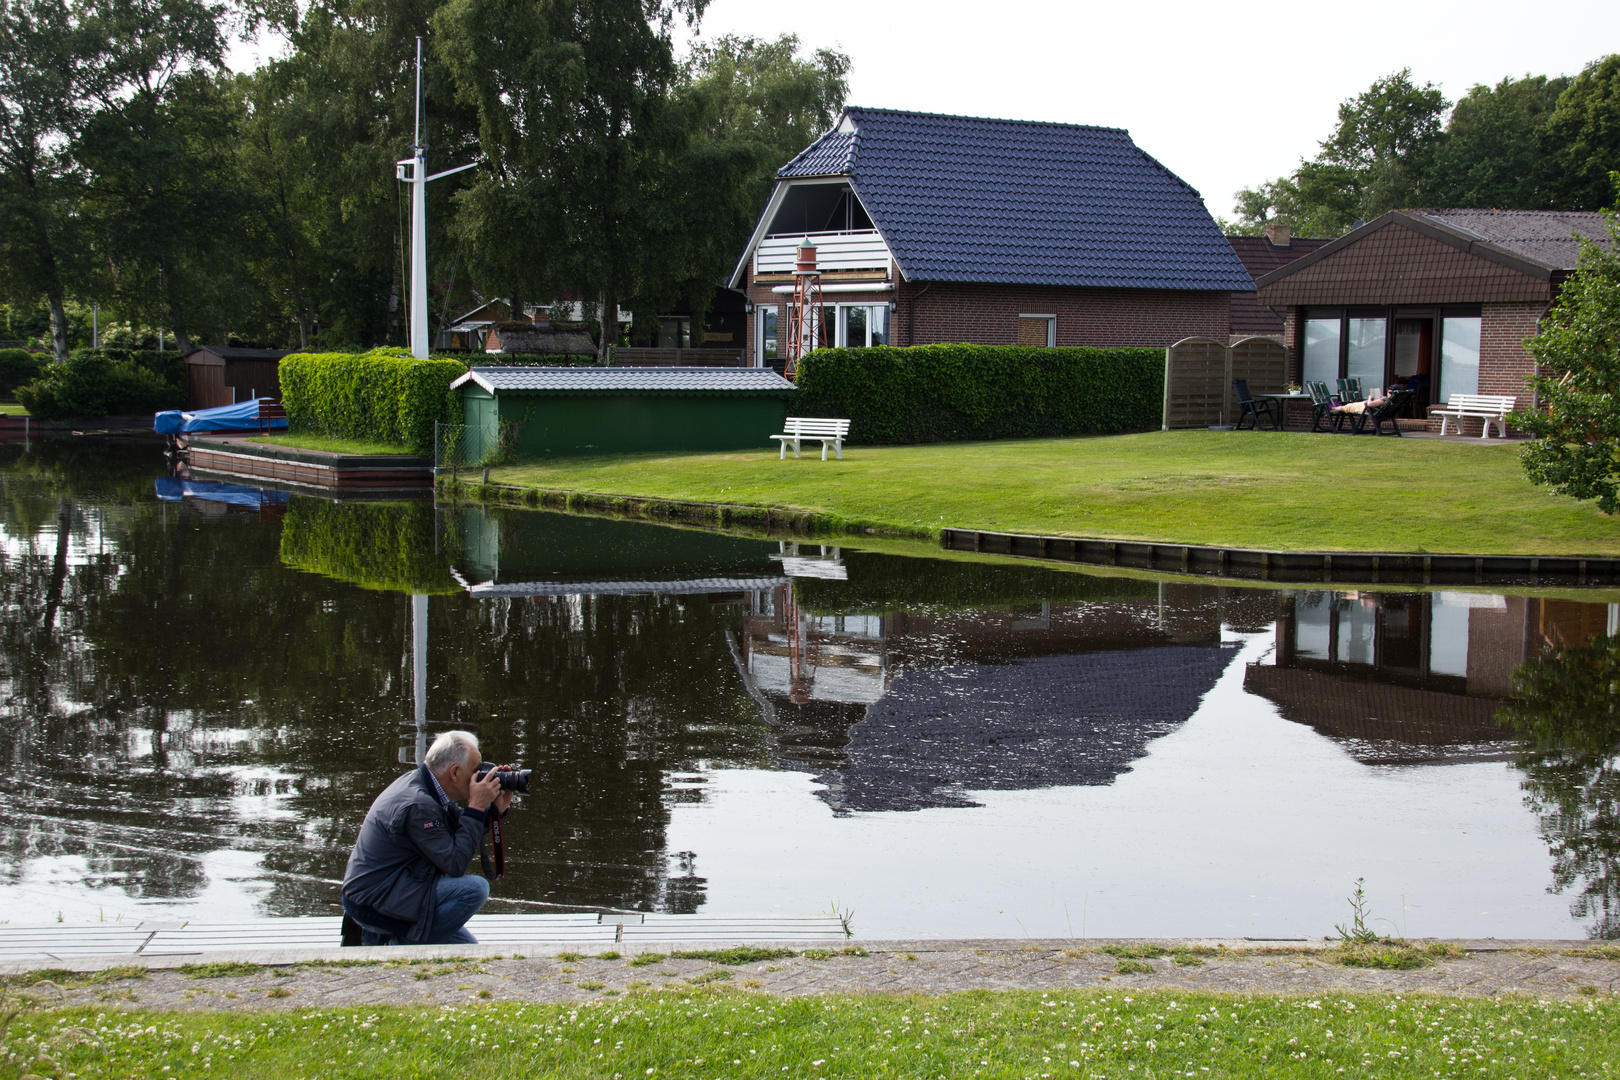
[(729, 1033)]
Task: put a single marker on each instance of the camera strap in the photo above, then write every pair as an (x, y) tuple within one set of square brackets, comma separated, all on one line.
[(499, 869)]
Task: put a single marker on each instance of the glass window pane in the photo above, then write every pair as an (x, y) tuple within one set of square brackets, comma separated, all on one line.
[(1322, 350), (826, 327), (1459, 356), (1311, 613), (770, 348), (855, 327), (880, 324), (1366, 353), (1448, 637)]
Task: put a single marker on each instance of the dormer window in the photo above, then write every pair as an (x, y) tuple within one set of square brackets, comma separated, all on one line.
[(819, 208)]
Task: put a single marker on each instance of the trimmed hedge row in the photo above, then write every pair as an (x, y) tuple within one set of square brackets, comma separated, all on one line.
[(944, 393), (385, 395), (105, 383)]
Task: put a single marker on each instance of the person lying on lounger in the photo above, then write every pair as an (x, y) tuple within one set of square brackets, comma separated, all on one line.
[(1373, 401)]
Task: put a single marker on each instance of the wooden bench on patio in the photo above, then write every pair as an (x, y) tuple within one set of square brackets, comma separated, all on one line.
[(1482, 407), (831, 432)]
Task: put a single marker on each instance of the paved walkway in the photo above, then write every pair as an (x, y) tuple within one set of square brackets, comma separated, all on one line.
[(1545, 969)]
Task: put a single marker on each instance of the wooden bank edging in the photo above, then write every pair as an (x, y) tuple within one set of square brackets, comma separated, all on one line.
[(311, 468), (1258, 564), (1347, 567)]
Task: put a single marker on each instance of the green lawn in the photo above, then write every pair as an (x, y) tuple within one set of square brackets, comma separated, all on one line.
[(1237, 489), (704, 1034), (331, 444), (12, 408)]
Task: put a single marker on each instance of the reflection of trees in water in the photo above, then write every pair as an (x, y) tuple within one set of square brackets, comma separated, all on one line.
[(169, 689), (1567, 704)]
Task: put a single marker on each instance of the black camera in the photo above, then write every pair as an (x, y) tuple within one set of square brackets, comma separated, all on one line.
[(511, 780)]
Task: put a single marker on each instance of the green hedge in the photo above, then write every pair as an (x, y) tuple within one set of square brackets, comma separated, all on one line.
[(941, 393), (387, 545), (18, 366), (385, 395), (93, 383)]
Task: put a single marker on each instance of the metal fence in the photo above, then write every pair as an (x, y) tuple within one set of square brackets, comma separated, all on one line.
[(469, 446)]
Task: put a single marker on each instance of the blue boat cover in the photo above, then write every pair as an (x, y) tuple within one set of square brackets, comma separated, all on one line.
[(174, 489), (243, 416)]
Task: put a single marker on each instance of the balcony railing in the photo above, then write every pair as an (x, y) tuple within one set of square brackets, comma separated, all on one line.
[(859, 250)]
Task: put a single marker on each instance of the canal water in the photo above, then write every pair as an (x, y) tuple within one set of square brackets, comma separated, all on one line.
[(202, 687)]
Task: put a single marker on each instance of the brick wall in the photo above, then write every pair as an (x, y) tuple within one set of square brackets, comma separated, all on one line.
[(988, 314), (1503, 362)]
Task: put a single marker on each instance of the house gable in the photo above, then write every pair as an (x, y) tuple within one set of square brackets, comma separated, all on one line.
[(970, 200), (1399, 260)]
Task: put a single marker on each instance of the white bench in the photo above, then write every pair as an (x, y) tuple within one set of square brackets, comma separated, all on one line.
[(830, 432), (1483, 407)]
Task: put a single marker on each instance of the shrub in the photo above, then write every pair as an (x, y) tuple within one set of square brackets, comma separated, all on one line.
[(94, 383), (385, 545), (942, 393), (18, 366), (384, 395), (530, 360)]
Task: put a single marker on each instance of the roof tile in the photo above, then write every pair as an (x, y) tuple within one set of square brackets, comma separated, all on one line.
[(966, 199)]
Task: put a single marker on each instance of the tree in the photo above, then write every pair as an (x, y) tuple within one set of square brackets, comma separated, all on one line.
[(1375, 161), (44, 56), (1493, 154), (1581, 142), (1577, 382), (1567, 703), (573, 98)]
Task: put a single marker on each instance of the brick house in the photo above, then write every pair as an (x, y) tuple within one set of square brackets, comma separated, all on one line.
[(1442, 298), (936, 228), (1261, 255)]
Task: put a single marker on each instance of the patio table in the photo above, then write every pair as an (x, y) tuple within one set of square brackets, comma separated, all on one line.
[(1282, 401)]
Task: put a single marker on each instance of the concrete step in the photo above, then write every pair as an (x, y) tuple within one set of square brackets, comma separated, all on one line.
[(63, 941)]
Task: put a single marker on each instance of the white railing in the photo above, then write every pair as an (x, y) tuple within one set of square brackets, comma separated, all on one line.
[(860, 250)]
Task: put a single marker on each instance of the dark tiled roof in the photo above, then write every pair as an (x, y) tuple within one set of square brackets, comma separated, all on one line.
[(1544, 237), (827, 156), (1260, 256), (1015, 202), (231, 352), (612, 380)]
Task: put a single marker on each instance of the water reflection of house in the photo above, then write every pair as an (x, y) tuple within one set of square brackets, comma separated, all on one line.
[(903, 711), (1413, 676)]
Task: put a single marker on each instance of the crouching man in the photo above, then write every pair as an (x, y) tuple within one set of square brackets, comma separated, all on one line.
[(407, 881)]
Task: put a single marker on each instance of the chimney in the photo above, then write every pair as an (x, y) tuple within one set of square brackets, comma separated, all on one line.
[(1279, 235)]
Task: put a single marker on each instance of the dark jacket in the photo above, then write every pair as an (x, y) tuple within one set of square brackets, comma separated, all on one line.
[(407, 842)]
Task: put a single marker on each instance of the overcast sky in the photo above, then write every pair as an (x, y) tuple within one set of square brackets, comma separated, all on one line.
[(1225, 95)]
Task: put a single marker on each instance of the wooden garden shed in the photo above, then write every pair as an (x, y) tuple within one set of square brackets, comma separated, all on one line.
[(574, 411), (223, 375)]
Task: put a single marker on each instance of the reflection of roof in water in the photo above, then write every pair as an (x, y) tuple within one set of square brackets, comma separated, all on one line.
[(622, 588), (1050, 721), (1384, 723)]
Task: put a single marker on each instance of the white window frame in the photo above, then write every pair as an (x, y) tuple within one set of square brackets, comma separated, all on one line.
[(1051, 327), (841, 322), (760, 312)]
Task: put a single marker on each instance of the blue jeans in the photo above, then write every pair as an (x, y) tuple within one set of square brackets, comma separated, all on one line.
[(458, 900)]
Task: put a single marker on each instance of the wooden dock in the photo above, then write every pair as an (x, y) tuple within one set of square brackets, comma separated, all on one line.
[(63, 943)]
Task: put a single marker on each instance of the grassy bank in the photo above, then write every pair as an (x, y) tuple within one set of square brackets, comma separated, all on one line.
[(331, 444), (702, 1034), (1238, 489)]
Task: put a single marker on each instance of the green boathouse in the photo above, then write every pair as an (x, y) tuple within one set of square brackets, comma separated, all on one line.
[(574, 411)]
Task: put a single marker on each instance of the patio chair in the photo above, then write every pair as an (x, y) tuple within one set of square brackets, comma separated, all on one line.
[(1350, 390), (1322, 407), (1379, 415), (1249, 405)]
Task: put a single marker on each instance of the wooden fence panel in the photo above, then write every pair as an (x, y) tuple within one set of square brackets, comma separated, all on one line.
[(1263, 362), (1196, 385)]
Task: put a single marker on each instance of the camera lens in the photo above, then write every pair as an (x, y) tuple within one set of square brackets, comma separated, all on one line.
[(516, 780)]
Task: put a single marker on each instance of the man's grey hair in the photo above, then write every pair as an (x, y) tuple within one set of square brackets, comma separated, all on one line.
[(451, 748)]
